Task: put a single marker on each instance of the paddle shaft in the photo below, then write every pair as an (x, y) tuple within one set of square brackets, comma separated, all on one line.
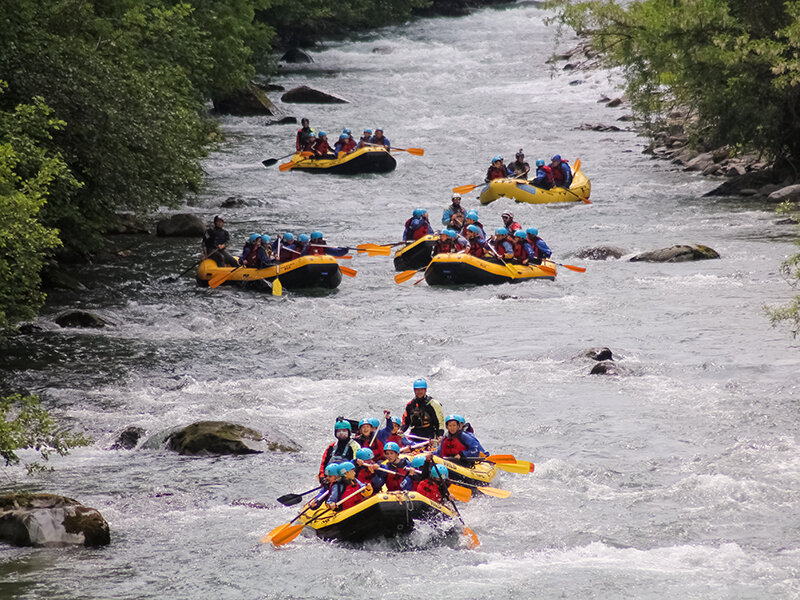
[(287, 497), (271, 161), (209, 255)]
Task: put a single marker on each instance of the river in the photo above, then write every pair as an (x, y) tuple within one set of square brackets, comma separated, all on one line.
[(680, 477)]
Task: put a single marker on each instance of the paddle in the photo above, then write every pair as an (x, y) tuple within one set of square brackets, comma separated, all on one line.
[(414, 151), (376, 251), (277, 287), (172, 279), (505, 264), (348, 271), (489, 491), (406, 275), (575, 268), (291, 164), (290, 532), (271, 161), (292, 499), (368, 245), (473, 542), (460, 493), (281, 528), (577, 168), (220, 278), (465, 189)]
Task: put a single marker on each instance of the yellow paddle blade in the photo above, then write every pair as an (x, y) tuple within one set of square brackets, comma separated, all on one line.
[(464, 189), (415, 151), (404, 276), (287, 535), (472, 539), (286, 166), (518, 467), (501, 458), (495, 492), (376, 250), (461, 494), (220, 278), (577, 165), (277, 288), (512, 271), (268, 538), (348, 271)]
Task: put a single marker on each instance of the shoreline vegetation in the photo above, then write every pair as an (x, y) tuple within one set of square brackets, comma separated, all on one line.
[(103, 108)]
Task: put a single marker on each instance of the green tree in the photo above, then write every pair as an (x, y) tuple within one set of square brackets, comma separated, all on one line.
[(733, 63), (28, 173), (25, 424)]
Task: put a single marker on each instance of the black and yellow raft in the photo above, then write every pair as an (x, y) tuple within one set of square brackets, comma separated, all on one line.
[(522, 191), (319, 271), (479, 473), (463, 269), (363, 160), (385, 514), (415, 255)]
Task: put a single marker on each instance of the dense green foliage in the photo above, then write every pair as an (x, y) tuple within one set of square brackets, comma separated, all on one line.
[(27, 174), (25, 424), (733, 63)]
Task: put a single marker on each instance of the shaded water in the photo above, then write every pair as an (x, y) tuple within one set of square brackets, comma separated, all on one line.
[(680, 477)]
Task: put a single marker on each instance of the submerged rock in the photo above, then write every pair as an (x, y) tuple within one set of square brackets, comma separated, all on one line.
[(180, 225), (601, 252), (220, 437), (128, 438), (296, 55), (81, 318), (604, 368), (679, 253), (307, 95), (50, 520), (599, 354)]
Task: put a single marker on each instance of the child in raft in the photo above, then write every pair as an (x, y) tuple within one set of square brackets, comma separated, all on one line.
[(343, 484), (457, 445), (429, 479), (368, 436), (391, 431), (395, 480), (366, 469)]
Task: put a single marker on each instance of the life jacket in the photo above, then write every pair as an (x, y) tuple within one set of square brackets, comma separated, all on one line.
[(445, 247), (348, 146), (375, 445), (479, 225), (429, 489), (314, 249), (363, 475), (476, 248), (417, 227), (424, 417), (452, 445), (345, 488), (559, 177), (321, 147), (286, 252), (252, 256), (496, 173), (538, 253), (394, 480), (520, 253), (547, 173), (397, 438), (338, 452), (513, 227), (308, 145)]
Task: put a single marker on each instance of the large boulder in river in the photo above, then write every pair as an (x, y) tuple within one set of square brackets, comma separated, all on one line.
[(50, 520), (81, 318), (295, 55), (220, 437), (790, 192), (599, 354), (605, 368), (249, 102), (180, 225), (679, 253), (601, 252), (307, 95), (128, 438)]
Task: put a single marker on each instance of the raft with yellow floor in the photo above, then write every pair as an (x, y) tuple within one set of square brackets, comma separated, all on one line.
[(479, 473), (416, 254), (463, 269), (315, 271), (364, 160), (522, 191), (385, 514)]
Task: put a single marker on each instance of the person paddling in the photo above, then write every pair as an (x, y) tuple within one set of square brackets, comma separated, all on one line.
[(544, 176), (456, 445), (395, 480), (562, 174), (497, 170), (345, 486), (519, 168), (423, 415), (379, 140), (501, 244), (540, 249), (472, 219), (430, 480), (448, 243), (366, 138), (215, 240), (342, 449), (302, 135), (477, 247)]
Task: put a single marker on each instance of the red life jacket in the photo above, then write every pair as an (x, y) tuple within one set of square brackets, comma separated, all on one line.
[(475, 248), (376, 445), (350, 502), (451, 445), (321, 147), (394, 480), (496, 173), (252, 257), (519, 252), (513, 227), (558, 174), (363, 475), (349, 145), (397, 438), (445, 247), (429, 489), (314, 250)]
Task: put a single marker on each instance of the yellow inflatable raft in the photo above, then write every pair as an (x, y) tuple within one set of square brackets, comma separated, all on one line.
[(304, 272), (416, 254), (363, 160), (462, 269), (521, 191)]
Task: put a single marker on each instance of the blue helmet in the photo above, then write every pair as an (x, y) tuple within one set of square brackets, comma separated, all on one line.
[(316, 235), (456, 418), (418, 461), (332, 469), (540, 162), (344, 136), (439, 472), (346, 466), (265, 239), (374, 422), (303, 237), (363, 422), (474, 229), (520, 234), (496, 158), (342, 425), (472, 214), (451, 233), (346, 131), (397, 421), (557, 158), (418, 212), (254, 237), (501, 231), (369, 131), (365, 454), (288, 237), (321, 133), (420, 384), (532, 231), (391, 447)]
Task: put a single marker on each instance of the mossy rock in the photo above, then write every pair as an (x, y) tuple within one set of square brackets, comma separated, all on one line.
[(220, 437), (678, 253)]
